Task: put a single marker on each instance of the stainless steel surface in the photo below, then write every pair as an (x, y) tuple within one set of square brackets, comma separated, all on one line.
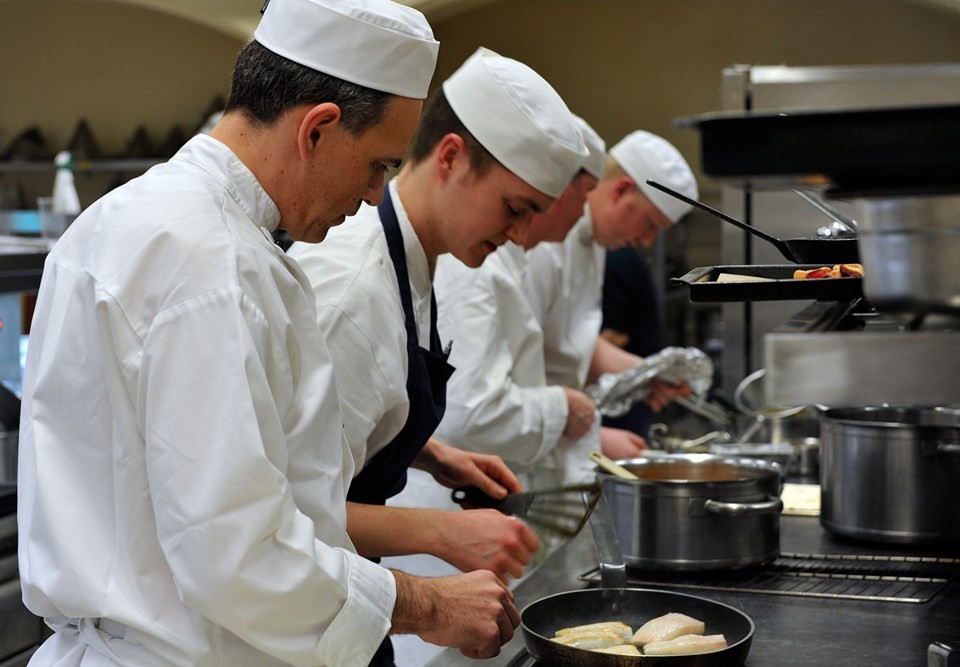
[(891, 474), (794, 630), (783, 214), (863, 368), (910, 247), (696, 511), (944, 654)]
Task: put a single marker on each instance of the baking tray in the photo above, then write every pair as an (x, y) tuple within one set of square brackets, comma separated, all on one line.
[(780, 287), (870, 151)]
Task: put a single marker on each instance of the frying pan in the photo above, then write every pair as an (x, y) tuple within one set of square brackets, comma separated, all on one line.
[(825, 251), (634, 606)]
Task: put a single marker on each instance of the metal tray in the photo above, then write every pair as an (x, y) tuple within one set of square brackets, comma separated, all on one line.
[(895, 150), (780, 287)]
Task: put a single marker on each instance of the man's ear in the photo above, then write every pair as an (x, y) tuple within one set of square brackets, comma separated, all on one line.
[(316, 123), (623, 186), (449, 150)]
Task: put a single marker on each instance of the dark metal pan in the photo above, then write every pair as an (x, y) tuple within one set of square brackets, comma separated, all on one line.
[(802, 251), (633, 606)]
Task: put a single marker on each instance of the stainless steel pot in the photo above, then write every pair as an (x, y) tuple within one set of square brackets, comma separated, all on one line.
[(696, 511), (909, 248), (890, 474)]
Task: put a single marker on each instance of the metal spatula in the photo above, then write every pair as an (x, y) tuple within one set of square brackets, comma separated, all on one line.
[(563, 510)]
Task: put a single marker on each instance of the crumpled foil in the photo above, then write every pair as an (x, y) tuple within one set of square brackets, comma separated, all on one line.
[(615, 393)]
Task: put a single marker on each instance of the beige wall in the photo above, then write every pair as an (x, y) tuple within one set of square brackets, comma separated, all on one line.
[(624, 64), (621, 64), (117, 66)]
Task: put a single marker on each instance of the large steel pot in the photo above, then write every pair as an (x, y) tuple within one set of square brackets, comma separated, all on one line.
[(633, 606), (909, 247), (890, 474), (696, 511)]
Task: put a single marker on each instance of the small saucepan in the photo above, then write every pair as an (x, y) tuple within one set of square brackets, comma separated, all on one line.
[(824, 251), (634, 606)]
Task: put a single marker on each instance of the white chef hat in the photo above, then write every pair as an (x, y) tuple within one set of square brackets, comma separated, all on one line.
[(517, 116), (596, 161), (378, 44), (643, 155)]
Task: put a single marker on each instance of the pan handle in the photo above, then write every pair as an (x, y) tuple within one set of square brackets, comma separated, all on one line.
[(779, 244), (613, 571), (772, 506)]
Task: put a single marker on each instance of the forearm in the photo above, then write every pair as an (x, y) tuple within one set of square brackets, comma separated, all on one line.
[(381, 530), (608, 358)]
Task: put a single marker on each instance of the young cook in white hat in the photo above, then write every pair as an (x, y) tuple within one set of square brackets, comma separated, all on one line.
[(495, 145), (566, 280), (183, 468)]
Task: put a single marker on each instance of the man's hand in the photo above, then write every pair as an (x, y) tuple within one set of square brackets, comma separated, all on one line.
[(454, 468), (474, 612), (661, 393), (619, 444), (581, 413), (486, 539)]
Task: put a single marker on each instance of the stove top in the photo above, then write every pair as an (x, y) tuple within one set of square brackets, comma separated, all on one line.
[(912, 579)]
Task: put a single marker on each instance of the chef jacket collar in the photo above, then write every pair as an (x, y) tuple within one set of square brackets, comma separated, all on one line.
[(222, 164)]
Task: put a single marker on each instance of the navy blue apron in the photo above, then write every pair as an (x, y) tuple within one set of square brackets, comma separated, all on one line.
[(385, 474)]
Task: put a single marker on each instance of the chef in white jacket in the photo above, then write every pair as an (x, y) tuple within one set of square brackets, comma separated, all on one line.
[(566, 279), (503, 319), (500, 401), (496, 144), (182, 463), (501, 358)]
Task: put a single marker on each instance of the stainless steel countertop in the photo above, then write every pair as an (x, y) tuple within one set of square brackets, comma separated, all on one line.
[(790, 630)]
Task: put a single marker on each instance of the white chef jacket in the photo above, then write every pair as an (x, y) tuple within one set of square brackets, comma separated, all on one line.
[(182, 464), (565, 289), (360, 312), (499, 400)]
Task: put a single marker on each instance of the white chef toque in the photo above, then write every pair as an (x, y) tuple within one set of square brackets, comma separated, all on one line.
[(596, 161), (378, 44), (644, 155), (517, 116)]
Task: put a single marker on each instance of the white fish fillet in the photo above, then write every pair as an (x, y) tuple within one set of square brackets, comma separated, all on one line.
[(623, 649), (613, 626), (597, 639), (666, 627), (686, 645)]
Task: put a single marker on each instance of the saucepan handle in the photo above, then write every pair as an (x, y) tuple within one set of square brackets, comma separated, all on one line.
[(772, 506), (937, 447)]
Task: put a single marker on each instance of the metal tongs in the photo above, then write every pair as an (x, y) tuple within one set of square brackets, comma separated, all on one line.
[(563, 510)]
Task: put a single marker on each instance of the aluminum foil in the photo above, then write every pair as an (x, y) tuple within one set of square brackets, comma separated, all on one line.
[(615, 393)]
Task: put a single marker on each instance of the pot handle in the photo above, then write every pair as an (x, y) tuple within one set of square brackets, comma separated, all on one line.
[(938, 448), (772, 506)]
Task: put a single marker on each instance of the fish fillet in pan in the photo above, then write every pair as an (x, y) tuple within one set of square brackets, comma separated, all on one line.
[(668, 626), (686, 645)]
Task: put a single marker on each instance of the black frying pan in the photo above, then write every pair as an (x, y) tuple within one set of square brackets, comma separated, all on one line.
[(633, 606), (825, 251)]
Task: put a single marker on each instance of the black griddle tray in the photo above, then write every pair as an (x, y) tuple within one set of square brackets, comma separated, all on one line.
[(870, 151), (780, 287)]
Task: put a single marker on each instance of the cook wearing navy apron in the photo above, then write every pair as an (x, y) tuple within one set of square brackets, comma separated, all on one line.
[(385, 474)]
